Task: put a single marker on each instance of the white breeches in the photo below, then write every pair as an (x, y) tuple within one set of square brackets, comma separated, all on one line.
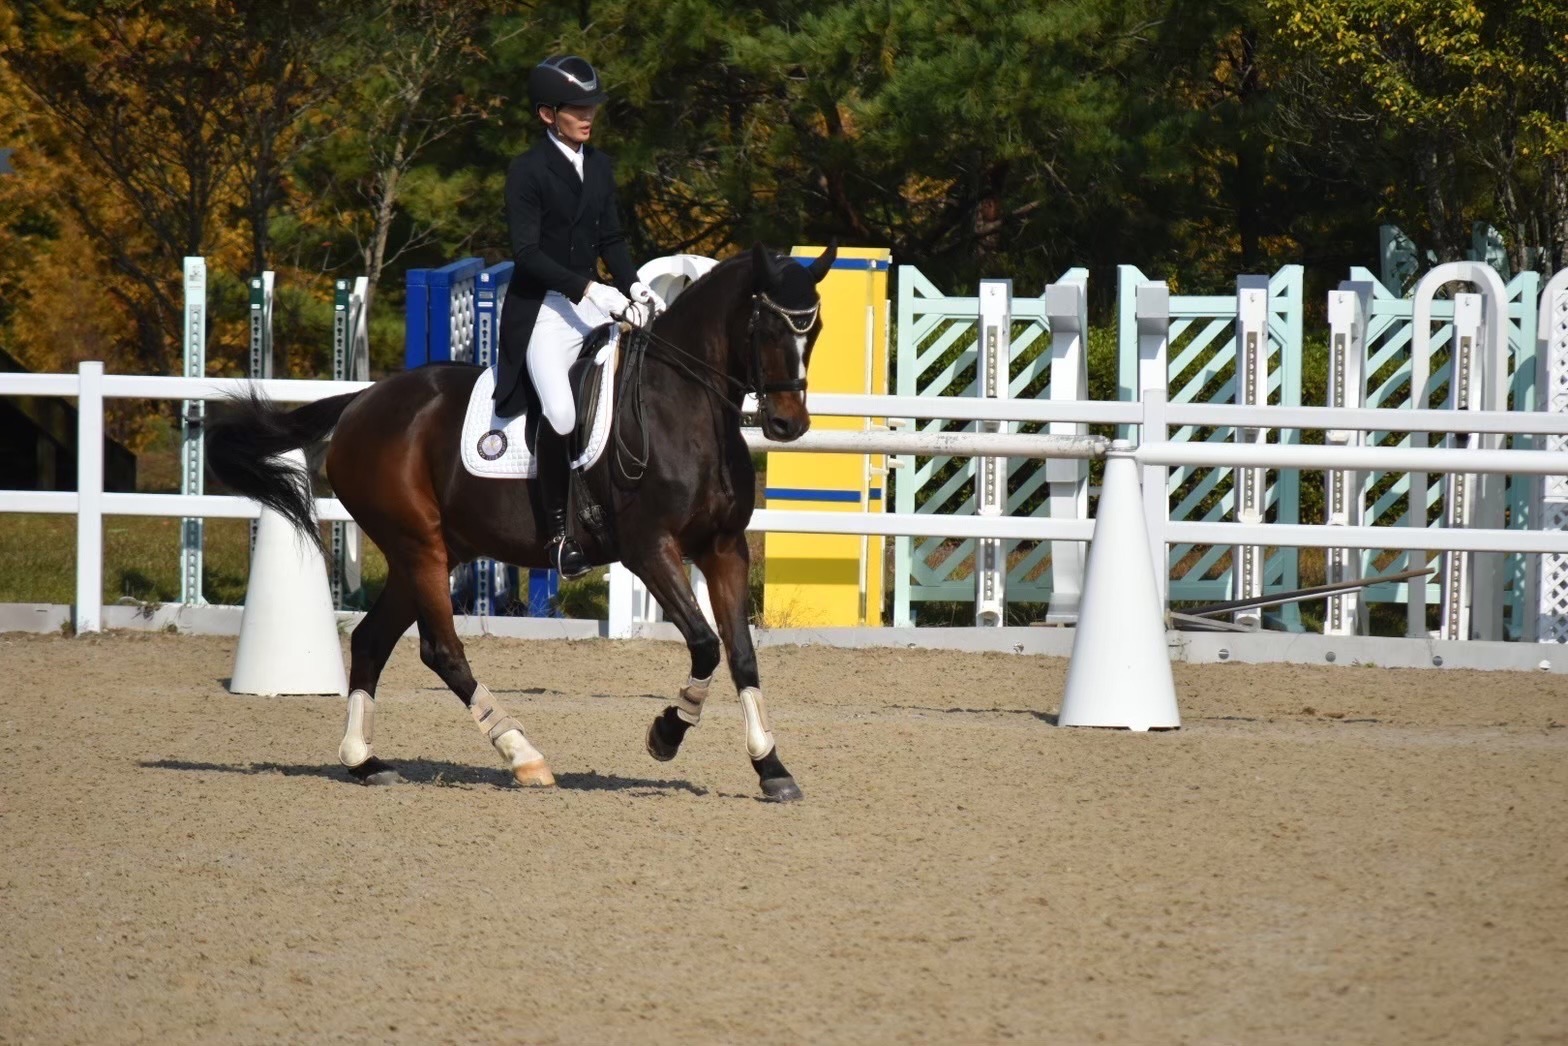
[(556, 341)]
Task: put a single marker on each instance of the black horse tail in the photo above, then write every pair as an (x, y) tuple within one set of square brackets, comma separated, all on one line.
[(243, 442)]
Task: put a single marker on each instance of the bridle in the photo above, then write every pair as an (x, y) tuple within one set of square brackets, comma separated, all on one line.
[(800, 321)]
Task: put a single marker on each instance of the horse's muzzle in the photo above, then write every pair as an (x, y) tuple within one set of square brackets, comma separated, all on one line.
[(786, 428)]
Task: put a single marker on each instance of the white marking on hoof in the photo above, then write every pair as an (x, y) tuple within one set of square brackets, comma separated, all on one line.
[(516, 750), (759, 739), (534, 775), (355, 748)]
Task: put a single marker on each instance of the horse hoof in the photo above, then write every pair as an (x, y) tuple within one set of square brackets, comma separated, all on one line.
[(781, 789), (656, 746), (534, 775)]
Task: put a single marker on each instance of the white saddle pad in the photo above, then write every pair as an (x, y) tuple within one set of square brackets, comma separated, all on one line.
[(496, 447)]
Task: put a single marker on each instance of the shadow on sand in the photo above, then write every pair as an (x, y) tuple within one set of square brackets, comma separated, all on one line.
[(1046, 717), (438, 773)]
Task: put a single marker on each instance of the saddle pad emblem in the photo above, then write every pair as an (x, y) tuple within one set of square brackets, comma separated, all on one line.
[(492, 445), (497, 448)]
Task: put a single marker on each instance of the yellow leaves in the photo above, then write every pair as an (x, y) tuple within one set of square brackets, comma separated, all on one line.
[(919, 189)]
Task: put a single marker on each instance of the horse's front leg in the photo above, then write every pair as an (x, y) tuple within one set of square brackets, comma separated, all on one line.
[(726, 566), (661, 569)]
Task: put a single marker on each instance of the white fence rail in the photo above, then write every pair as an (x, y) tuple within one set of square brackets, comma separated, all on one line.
[(90, 503)]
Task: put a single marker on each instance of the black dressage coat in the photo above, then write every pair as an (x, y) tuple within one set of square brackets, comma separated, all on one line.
[(560, 226)]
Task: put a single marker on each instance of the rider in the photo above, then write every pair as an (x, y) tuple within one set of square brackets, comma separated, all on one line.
[(560, 209)]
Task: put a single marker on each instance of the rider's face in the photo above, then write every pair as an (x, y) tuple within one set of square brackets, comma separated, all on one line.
[(572, 123)]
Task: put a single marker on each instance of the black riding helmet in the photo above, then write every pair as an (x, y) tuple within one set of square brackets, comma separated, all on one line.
[(564, 80)]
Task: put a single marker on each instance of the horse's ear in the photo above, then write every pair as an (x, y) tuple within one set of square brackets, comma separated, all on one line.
[(824, 262), (764, 268)]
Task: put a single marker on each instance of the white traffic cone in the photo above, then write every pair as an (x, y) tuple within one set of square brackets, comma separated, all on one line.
[(289, 634), (1120, 674)]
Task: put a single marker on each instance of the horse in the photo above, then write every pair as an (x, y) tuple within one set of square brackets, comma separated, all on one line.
[(676, 483)]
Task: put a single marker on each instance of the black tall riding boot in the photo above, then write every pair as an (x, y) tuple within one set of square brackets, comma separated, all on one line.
[(565, 554)]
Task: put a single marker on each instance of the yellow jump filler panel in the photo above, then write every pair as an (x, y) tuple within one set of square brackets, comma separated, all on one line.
[(815, 580)]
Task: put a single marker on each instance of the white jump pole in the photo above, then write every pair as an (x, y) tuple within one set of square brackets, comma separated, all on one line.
[(953, 444), (1381, 459)]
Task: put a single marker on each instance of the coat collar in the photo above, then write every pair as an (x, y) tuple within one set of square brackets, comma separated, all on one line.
[(560, 165)]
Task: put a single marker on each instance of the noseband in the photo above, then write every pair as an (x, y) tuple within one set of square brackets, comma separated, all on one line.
[(800, 321)]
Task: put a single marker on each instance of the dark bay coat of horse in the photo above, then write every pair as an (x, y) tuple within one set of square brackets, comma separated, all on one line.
[(677, 481)]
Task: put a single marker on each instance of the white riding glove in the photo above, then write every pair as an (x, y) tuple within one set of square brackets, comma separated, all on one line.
[(609, 300), (643, 295), (637, 314)]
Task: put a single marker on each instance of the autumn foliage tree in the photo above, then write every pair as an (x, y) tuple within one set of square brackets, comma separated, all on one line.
[(1450, 113), (976, 138)]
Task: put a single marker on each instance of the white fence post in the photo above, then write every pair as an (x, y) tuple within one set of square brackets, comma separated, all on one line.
[(261, 363), (1487, 504), (192, 415), (350, 362), (996, 325), (623, 595), (632, 606), (1153, 312), (1460, 488), (1067, 310), (1346, 490), (1252, 389), (1343, 455), (261, 291), (1551, 617), (89, 498)]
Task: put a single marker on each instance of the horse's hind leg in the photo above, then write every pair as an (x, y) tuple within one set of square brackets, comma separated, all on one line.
[(371, 645), (725, 566), (442, 652)]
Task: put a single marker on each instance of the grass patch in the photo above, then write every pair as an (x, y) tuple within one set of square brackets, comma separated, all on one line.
[(141, 560)]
